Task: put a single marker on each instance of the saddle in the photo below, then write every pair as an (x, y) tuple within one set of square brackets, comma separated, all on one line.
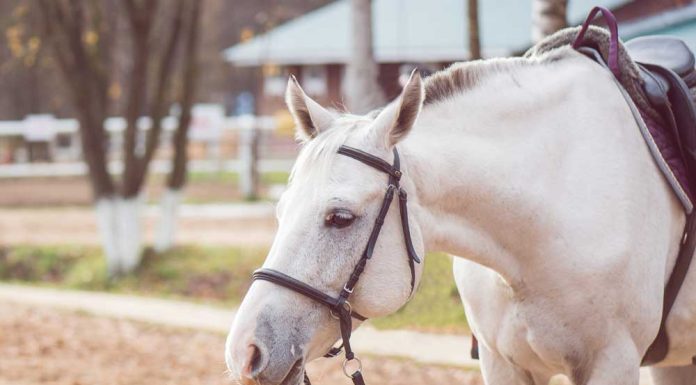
[(666, 67)]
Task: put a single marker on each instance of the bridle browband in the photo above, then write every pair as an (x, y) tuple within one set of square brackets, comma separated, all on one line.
[(339, 306)]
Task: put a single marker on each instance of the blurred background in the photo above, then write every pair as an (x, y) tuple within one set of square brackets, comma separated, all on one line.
[(143, 144)]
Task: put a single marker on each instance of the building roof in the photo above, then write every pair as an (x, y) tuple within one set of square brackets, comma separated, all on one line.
[(404, 31), (678, 22)]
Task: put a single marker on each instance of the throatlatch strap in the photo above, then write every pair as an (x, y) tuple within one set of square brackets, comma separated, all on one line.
[(412, 256)]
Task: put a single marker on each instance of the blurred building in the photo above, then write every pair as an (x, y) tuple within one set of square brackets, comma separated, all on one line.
[(664, 17), (430, 34)]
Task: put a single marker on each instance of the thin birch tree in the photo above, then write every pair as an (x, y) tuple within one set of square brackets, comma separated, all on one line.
[(176, 179), (363, 91), (473, 28), (548, 16)]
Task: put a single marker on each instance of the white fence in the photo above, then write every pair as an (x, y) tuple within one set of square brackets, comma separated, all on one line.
[(28, 170), (61, 138), (118, 124)]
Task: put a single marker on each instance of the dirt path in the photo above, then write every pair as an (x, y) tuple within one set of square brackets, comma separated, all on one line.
[(425, 348), (45, 346), (52, 191), (77, 225)]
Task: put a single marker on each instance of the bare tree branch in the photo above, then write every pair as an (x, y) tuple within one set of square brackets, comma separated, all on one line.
[(177, 177), (165, 66), (82, 34), (63, 23)]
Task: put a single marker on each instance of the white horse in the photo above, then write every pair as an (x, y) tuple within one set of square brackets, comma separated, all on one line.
[(533, 172)]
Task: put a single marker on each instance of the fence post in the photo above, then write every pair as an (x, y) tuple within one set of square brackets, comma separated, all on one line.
[(248, 156)]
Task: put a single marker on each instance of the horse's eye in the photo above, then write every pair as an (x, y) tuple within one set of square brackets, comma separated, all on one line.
[(339, 219)]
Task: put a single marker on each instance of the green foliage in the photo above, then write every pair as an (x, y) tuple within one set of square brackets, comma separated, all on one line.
[(220, 177), (216, 274), (220, 275), (275, 177), (39, 264), (271, 177)]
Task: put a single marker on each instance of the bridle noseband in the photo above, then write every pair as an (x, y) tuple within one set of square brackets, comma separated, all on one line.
[(339, 306)]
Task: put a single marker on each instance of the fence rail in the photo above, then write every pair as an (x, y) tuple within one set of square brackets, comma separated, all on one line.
[(118, 124), (35, 170), (204, 129)]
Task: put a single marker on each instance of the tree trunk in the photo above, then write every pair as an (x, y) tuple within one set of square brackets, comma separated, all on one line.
[(169, 212), (166, 232), (548, 16), (137, 100), (249, 157), (106, 211), (119, 224), (63, 26), (94, 149), (474, 36), (129, 232), (363, 91)]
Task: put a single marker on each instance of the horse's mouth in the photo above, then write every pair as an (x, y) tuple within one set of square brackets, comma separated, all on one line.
[(296, 374)]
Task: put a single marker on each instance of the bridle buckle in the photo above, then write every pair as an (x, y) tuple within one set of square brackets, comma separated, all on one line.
[(346, 306)]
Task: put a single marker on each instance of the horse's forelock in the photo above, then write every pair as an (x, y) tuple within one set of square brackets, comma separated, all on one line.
[(315, 158)]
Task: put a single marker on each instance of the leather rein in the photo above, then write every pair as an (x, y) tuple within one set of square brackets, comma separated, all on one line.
[(339, 306)]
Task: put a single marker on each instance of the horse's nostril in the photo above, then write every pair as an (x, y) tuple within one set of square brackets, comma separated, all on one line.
[(255, 361)]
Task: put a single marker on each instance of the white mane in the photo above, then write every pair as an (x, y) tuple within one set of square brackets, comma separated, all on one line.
[(462, 77)]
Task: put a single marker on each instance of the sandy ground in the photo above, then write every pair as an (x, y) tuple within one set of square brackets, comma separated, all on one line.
[(77, 225), (61, 191), (45, 346)]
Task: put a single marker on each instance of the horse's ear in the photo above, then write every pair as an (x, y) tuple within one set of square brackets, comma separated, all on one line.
[(397, 119), (310, 118)]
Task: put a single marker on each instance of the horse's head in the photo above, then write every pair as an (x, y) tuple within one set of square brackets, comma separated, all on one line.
[(325, 219)]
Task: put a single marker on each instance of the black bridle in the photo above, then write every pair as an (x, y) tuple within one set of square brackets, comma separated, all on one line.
[(339, 306)]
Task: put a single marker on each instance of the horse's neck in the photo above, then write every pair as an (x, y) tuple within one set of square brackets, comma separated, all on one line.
[(485, 165), (463, 197)]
